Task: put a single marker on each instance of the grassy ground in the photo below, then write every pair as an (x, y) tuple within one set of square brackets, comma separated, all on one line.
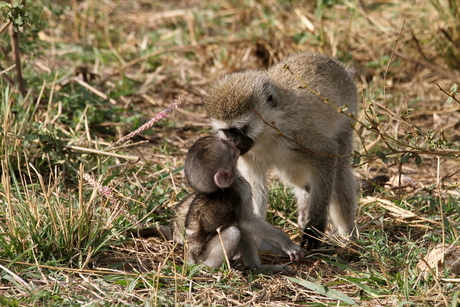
[(96, 70)]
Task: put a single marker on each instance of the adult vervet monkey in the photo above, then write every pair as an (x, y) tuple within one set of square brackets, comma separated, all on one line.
[(255, 109)]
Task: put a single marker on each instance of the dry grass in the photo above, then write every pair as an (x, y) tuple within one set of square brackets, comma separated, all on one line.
[(140, 56)]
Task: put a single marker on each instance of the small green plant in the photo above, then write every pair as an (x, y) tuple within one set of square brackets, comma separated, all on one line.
[(15, 13)]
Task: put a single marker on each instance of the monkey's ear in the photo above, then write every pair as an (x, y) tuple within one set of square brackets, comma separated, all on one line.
[(223, 178)]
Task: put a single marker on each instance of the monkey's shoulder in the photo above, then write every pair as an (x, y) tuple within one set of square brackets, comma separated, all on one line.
[(220, 204)]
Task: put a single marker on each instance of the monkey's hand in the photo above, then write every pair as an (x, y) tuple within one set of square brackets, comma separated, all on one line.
[(294, 251)]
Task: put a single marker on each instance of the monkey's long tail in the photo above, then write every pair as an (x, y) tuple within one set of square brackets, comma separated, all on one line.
[(158, 231)]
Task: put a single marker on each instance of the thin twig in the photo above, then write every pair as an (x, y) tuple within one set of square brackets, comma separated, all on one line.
[(223, 247), (17, 278), (100, 271), (5, 26), (373, 126), (451, 94), (281, 134), (95, 90), (7, 69), (391, 60), (6, 77), (436, 280), (101, 152)]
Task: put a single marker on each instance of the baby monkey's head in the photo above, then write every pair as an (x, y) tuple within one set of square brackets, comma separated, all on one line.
[(210, 164)]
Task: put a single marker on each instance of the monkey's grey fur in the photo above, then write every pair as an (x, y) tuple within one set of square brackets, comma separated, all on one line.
[(222, 200), (311, 162)]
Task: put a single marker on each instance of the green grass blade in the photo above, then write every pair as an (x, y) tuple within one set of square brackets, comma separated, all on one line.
[(331, 293), (366, 288)]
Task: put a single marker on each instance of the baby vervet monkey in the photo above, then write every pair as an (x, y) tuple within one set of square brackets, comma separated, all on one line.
[(219, 215), (260, 110)]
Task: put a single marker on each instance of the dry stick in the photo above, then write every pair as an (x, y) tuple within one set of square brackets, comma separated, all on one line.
[(17, 60), (16, 277), (436, 280), (414, 150), (7, 69), (281, 134), (451, 94), (374, 127), (100, 152), (5, 26), (223, 247), (6, 77), (441, 211), (95, 90), (390, 60)]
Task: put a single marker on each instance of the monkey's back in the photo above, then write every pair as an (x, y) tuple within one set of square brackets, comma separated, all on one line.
[(305, 80), (320, 73)]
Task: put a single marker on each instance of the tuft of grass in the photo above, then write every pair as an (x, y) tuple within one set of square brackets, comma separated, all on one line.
[(42, 219), (447, 40)]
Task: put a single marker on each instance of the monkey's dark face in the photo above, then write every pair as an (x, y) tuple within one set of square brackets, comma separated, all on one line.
[(240, 138), (239, 104)]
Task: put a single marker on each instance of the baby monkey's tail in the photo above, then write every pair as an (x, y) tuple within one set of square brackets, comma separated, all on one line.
[(159, 231)]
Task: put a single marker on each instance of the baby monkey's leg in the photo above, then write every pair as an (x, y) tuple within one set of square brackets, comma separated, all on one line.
[(213, 254)]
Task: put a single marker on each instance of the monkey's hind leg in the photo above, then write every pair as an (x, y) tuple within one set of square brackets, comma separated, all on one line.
[(251, 259), (313, 205), (221, 246), (343, 207)]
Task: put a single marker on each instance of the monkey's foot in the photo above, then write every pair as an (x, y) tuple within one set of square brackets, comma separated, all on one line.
[(270, 269), (311, 238)]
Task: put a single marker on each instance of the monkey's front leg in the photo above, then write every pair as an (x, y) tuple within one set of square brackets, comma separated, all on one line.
[(220, 246), (255, 172)]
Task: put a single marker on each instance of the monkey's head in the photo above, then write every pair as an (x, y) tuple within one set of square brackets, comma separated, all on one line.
[(238, 102), (210, 164)]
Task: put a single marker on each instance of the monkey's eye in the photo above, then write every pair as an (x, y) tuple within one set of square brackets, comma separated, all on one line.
[(271, 101), (268, 91)]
